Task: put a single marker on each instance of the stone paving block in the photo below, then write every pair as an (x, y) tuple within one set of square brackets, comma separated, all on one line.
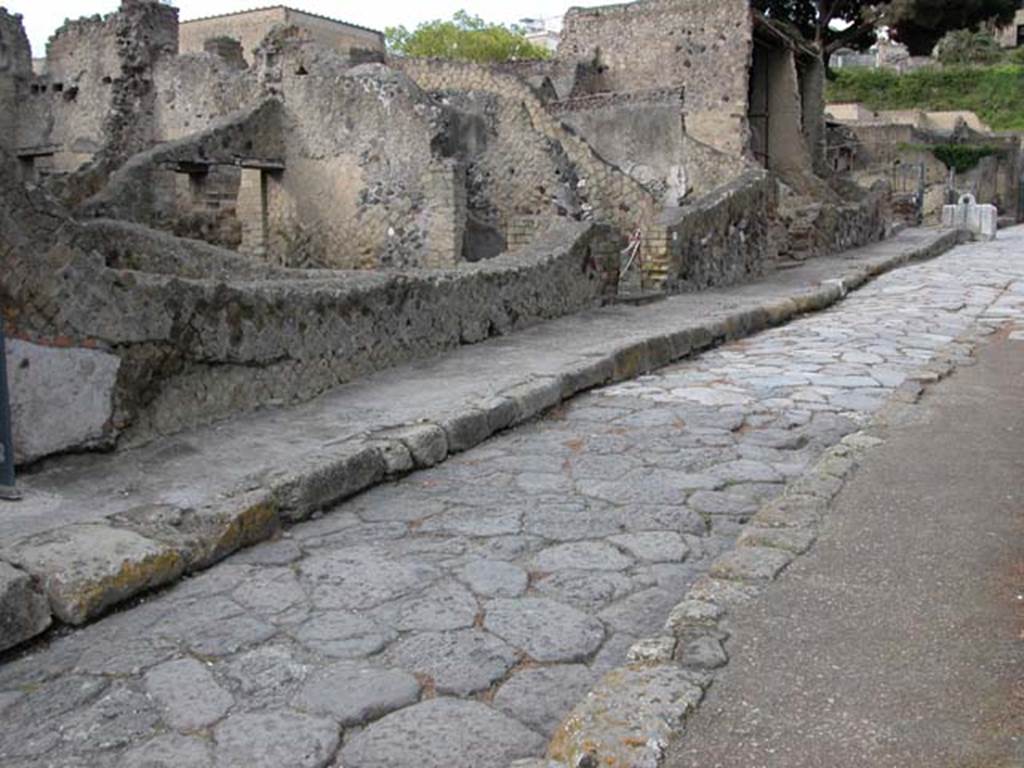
[(589, 590), (269, 673), (443, 606), (24, 609), (494, 578), (188, 694), (540, 697), (702, 652), (584, 375), (85, 569), (170, 750), (693, 613), (652, 649), (628, 718), (209, 533), (795, 540), (653, 546), (275, 739), (534, 397), (342, 634), (459, 663), (325, 478), (353, 694), (466, 429), (441, 733), (751, 564), (545, 629), (581, 556)]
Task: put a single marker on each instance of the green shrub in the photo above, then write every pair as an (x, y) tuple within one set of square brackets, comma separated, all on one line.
[(967, 47)]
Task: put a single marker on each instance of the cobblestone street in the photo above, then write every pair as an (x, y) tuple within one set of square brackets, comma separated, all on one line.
[(453, 618)]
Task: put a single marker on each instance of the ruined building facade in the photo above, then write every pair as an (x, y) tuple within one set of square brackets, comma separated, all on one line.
[(202, 218)]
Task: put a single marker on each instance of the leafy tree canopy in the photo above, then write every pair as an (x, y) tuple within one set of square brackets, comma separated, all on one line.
[(464, 37), (918, 24)]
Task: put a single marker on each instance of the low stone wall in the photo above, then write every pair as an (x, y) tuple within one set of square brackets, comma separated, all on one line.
[(825, 228), (721, 238), (136, 354)]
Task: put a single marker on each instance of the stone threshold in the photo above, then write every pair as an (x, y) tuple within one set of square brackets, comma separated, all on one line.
[(634, 712), (94, 531)]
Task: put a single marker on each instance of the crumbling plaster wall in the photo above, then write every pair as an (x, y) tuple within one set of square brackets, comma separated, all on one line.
[(353, 195), (195, 89), (700, 46), (642, 133)]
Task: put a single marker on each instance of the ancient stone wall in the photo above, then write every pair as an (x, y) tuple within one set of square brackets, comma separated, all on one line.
[(97, 93), (164, 187), (15, 73), (859, 218), (353, 195), (195, 90), (177, 344), (722, 238), (604, 191), (641, 132), (700, 46)]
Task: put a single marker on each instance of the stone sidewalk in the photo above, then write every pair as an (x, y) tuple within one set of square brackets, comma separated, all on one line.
[(482, 611), (95, 530)]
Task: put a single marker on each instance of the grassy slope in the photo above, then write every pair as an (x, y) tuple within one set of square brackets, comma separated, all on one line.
[(996, 94)]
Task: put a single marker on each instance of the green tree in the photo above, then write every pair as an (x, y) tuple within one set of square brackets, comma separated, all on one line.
[(830, 24), (464, 37), (920, 24)]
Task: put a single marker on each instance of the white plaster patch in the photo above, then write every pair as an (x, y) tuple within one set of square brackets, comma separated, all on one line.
[(60, 398)]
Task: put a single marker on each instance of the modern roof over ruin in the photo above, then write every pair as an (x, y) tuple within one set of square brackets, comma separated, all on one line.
[(285, 8)]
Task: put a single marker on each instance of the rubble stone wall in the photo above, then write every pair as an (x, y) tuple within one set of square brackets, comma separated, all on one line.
[(612, 194), (189, 333), (724, 237)]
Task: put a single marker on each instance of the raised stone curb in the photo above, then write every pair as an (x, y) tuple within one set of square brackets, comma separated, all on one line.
[(85, 569), (24, 611), (612, 725)]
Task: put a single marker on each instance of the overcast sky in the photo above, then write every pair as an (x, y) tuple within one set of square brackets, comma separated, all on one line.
[(42, 17)]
